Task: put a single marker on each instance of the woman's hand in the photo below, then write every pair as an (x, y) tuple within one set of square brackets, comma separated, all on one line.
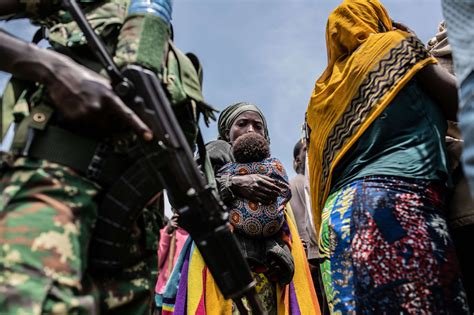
[(172, 224), (257, 188)]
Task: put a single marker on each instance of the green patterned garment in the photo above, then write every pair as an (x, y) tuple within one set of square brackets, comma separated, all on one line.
[(47, 213)]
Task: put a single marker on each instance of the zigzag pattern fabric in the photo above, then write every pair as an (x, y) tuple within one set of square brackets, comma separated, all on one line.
[(368, 64), (390, 70)]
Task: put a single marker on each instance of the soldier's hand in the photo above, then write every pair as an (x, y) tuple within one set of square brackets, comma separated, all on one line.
[(86, 99), (257, 188)]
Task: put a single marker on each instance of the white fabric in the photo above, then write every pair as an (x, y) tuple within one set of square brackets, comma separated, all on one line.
[(459, 16)]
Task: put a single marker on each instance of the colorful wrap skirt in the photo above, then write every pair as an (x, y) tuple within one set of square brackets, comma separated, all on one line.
[(386, 249)]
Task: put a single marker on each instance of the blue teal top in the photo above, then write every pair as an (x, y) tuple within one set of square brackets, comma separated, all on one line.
[(406, 140)]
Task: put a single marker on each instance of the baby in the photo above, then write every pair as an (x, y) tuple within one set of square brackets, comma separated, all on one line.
[(252, 155)]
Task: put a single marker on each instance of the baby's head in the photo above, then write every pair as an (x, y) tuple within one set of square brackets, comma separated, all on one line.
[(250, 147)]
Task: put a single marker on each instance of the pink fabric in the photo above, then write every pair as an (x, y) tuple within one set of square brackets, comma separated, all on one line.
[(163, 255), (201, 310)]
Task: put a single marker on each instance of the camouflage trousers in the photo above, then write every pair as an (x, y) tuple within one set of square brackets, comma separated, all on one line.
[(47, 213)]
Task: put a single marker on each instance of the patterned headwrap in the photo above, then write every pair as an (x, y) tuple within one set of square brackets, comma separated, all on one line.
[(230, 114)]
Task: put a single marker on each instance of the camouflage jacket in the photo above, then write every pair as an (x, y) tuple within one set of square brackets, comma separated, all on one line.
[(179, 75)]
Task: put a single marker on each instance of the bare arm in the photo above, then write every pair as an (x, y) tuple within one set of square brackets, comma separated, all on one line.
[(257, 188), (441, 85), (82, 96), (26, 61), (438, 83)]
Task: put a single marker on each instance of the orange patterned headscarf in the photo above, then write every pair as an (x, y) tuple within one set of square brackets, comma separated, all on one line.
[(368, 64)]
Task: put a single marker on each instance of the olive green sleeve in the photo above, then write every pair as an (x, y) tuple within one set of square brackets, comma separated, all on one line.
[(143, 40)]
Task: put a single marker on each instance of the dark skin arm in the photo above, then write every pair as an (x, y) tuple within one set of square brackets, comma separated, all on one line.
[(83, 97), (172, 224), (441, 86), (438, 83), (258, 188)]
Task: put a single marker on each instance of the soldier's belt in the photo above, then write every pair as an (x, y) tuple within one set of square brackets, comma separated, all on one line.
[(60, 146), (82, 154)]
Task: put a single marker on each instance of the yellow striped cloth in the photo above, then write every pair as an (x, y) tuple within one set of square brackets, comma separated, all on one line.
[(368, 64)]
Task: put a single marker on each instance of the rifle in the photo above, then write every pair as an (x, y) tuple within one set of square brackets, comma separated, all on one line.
[(201, 212)]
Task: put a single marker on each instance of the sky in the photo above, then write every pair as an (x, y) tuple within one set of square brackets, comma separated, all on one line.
[(268, 52)]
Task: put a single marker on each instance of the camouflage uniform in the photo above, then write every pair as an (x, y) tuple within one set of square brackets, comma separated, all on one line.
[(48, 211)]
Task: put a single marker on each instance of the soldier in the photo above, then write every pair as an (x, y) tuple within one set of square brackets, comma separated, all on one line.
[(63, 110)]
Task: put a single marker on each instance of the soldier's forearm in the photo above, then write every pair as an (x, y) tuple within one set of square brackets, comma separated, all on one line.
[(27, 61)]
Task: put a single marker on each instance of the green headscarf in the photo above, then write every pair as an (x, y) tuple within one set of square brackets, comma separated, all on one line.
[(230, 114)]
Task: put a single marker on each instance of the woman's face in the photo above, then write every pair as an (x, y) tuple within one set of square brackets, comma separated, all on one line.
[(246, 122)]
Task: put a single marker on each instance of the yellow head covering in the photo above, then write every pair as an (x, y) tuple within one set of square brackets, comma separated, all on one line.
[(368, 64)]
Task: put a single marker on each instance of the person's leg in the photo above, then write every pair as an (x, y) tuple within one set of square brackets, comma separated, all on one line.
[(466, 123), (46, 217)]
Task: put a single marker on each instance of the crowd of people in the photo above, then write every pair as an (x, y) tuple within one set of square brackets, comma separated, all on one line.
[(377, 220)]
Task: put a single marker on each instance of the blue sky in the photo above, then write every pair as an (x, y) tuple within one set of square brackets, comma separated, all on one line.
[(269, 52)]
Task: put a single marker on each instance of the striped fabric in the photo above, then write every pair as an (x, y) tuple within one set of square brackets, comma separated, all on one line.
[(197, 292), (368, 65)]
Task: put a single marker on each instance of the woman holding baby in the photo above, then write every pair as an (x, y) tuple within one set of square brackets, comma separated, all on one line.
[(255, 189)]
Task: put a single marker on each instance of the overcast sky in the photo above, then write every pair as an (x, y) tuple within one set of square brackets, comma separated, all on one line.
[(269, 52)]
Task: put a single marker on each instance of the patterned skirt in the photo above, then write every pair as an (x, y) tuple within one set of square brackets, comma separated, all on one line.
[(386, 249)]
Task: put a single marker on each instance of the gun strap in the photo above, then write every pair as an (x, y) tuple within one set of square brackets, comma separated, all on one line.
[(41, 33)]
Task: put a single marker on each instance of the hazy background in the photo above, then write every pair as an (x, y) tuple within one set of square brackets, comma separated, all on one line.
[(269, 52)]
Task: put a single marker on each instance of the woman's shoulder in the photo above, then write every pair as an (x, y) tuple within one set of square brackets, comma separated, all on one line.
[(220, 153)]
